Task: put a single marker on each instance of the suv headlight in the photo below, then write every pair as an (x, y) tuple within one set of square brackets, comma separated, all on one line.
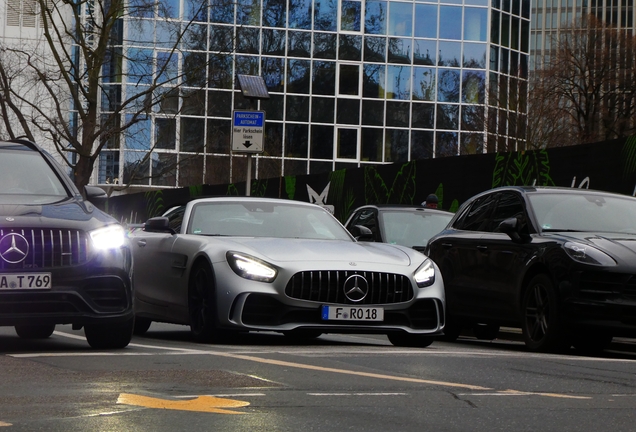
[(252, 268), (109, 237), (425, 275), (588, 254)]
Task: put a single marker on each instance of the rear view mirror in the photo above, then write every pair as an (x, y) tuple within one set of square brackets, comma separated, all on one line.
[(362, 233), (158, 224)]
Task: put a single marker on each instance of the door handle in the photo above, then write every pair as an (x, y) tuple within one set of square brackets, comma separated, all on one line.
[(141, 243), (482, 248), (447, 245)]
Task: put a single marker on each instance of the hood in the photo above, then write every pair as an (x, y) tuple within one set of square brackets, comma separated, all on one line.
[(294, 250), (62, 214), (621, 246)]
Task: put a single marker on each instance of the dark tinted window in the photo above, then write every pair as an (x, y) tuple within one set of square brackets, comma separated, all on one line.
[(509, 205), (476, 217)]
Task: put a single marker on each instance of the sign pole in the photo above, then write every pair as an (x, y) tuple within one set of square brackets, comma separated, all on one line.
[(248, 182)]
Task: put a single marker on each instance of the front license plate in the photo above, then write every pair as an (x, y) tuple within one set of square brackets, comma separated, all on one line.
[(352, 313), (25, 281)]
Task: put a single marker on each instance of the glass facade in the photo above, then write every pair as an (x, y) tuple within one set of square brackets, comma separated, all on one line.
[(351, 83)]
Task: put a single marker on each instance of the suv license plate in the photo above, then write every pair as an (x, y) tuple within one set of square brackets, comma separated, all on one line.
[(352, 313), (25, 281)]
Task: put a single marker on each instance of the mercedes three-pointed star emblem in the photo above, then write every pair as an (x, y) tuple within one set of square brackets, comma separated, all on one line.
[(356, 288), (14, 248)]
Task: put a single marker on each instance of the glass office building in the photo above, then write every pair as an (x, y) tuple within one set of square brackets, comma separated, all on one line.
[(351, 83)]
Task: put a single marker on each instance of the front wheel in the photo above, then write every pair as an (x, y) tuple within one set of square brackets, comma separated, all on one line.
[(410, 340), (109, 336), (202, 304), (542, 331), (35, 331)]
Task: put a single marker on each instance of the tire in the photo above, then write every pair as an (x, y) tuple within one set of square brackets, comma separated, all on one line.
[(141, 325), (486, 331), (35, 331), (591, 343), (542, 331), (410, 340), (109, 336), (202, 304)]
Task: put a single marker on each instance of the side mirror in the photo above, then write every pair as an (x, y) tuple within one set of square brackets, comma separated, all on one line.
[(362, 233), (511, 227), (158, 224), (94, 192)]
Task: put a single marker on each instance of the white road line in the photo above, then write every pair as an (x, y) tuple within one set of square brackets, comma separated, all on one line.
[(357, 394)]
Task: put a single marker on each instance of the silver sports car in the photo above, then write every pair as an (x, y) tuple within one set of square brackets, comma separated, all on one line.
[(254, 264)]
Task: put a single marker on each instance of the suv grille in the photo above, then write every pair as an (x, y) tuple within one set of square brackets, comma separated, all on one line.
[(49, 248), (327, 286)]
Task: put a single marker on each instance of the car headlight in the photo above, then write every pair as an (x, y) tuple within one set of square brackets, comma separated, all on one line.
[(588, 254), (425, 275), (251, 268), (109, 237)]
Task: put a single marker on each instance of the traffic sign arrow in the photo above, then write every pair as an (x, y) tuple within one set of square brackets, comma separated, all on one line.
[(247, 144)]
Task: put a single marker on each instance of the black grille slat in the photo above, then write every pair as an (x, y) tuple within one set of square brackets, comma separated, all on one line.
[(326, 286), (49, 248)]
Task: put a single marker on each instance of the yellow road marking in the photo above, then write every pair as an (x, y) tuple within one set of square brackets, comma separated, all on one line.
[(5, 424), (209, 404)]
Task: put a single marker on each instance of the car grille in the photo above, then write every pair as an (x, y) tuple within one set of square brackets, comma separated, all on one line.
[(49, 248), (327, 286)]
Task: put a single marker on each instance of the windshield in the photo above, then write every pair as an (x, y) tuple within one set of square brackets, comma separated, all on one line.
[(265, 219), (584, 212), (412, 228), (25, 177)]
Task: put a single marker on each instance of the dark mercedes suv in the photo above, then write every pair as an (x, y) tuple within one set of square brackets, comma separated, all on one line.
[(62, 261)]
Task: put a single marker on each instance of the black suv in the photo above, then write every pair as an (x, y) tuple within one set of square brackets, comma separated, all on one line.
[(62, 261)]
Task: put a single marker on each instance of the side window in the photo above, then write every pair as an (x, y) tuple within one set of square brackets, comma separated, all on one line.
[(508, 206), (369, 219), (476, 217), (175, 218)]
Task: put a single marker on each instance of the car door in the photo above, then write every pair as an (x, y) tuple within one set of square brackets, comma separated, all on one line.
[(503, 260), (155, 262), (457, 253)]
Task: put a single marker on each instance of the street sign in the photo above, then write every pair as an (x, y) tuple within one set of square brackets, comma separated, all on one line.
[(247, 131)]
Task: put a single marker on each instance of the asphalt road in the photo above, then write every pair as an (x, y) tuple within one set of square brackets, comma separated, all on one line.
[(165, 382)]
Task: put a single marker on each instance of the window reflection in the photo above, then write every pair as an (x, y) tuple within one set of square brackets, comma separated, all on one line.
[(423, 115), (325, 15), (219, 103), (221, 11), (247, 65), (298, 76), (219, 136), (398, 82), (374, 49), (421, 145), (400, 19), (325, 45), (371, 144), (322, 110), (396, 145), (447, 117), (426, 21), (472, 143), (221, 38), (475, 24), (192, 134), (324, 78), (297, 109), (165, 133), (451, 17), (425, 52), (350, 16), (474, 55), (248, 40), (400, 50), (296, 141), (248, 12), (372, 112), (273, 42), (375, 13), (474, 87), (472, 118), (448, 85), (424, 83), (350, 47), (450, 53), (321, 142), (274, 12), (347, 143), (349, 80), (373, 80), (445, 144), (273, 106), (299, 44), (300, 14), (397, 114), (273, 72)]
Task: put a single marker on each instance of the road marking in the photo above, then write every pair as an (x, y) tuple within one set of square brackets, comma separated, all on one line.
[(208, 404), (521, 393), (357, 394), (3, 424)]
